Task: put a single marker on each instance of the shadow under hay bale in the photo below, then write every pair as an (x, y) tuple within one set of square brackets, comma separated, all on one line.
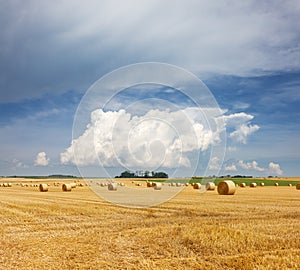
[(226, 187), (43, 187)]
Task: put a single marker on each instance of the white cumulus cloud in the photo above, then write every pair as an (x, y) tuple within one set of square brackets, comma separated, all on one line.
[(230, 168), (157, 138), (41, 159), (243, 132), (250, 166), (241, 126), (275, 168), (214, 164)]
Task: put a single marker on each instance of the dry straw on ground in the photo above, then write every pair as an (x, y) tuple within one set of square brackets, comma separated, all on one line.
[(43, 187), (226, 187), (79, 230)]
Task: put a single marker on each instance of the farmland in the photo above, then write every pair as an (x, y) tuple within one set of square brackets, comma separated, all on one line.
[(257, 228)]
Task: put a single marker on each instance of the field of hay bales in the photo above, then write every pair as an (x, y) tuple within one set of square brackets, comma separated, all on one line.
[(256, 228)]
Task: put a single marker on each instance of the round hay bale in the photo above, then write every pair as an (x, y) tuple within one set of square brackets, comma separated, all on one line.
[(9, 184), (5, 185), (290, 185), (226, 187), (157, 186), (1, 185), (173, 184), (149, 184), (243, 185), (66, 187), (197, 186), (43, 187), (253, 185), (298, 186), (186, 184), (112, 186), (262, 184), (178, 184), (73, 185), (276, 184), (210, 186)]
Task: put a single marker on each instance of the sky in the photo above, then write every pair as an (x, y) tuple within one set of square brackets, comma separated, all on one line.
[(53, 55)]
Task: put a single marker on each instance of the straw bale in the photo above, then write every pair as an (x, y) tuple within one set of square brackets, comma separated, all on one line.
[(197, 186), (66, 187), (43, 187), (210, 186), (158, 186), (112, 186), (226, 187)]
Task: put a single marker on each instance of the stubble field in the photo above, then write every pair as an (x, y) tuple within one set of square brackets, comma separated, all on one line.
[(257, 228)]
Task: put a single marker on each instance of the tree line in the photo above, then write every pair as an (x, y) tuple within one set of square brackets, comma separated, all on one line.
[(142, 174)]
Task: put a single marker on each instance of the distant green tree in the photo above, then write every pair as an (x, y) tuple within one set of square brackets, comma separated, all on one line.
[(160, 175), (127, 174)]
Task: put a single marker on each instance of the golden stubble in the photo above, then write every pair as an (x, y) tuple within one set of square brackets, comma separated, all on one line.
[(252, 229)]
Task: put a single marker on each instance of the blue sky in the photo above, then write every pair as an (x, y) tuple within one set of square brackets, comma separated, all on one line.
[(247, 54)]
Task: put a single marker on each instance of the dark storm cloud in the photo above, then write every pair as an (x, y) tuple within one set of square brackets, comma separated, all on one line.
[(55, 46)]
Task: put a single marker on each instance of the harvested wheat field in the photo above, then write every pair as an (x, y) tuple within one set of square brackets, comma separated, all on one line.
[(252, 229)]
